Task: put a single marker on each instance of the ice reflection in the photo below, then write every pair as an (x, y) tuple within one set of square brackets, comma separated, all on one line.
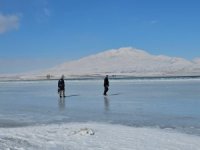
[(106, 103), (61, 103)]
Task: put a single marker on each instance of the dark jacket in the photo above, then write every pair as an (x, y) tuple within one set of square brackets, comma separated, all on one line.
[(106, 82), (61, 84)]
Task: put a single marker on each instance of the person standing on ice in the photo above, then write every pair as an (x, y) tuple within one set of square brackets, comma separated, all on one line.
[(61, 86), (106, 85)]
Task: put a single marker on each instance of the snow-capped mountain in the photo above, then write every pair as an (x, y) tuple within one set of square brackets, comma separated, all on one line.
[(126, 61)]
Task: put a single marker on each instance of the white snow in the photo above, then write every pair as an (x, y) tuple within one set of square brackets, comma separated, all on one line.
[(94, 136)]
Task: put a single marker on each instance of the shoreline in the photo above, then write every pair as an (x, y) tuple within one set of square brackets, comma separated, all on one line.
[(7, 79)]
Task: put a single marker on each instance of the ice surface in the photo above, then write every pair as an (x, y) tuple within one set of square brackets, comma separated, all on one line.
[(136, 115), (142, 103), (94, 136)]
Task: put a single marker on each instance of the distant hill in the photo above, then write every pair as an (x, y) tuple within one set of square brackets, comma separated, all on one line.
[(126, 61)]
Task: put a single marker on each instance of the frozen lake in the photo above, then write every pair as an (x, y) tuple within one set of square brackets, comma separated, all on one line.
[(171, 104)]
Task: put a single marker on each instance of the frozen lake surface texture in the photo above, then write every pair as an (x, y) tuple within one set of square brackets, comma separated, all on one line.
[(157, 114)]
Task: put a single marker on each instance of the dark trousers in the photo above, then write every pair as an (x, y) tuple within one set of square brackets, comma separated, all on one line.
[(105, 90), (61, 92)]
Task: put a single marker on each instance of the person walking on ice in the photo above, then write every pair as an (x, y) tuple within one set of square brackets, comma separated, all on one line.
[(61, 86), (106, 85)]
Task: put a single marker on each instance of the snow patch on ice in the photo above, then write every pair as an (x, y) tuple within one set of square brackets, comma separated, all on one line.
[(84, 131), (92, 136)]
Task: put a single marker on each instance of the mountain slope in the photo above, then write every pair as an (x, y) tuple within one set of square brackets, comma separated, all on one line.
[(127, 61)]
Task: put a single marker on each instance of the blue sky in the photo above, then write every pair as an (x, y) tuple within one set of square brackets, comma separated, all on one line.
[(37, 34)]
